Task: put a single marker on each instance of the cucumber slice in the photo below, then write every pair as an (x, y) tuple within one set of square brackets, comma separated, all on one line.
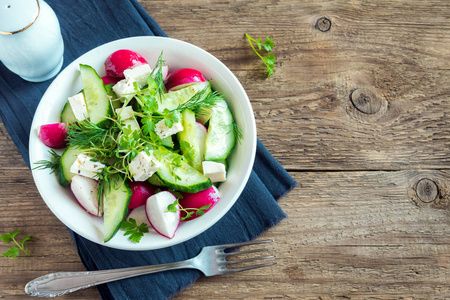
[(171, 100), (67, 115), (115, 101), (220, 138), (167, 142), (182, 178), (154, 180), (96, 96), (115, 208), (189, 135), (67, 159)]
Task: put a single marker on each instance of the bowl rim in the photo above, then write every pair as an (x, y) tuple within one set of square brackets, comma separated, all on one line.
[(118, 44)]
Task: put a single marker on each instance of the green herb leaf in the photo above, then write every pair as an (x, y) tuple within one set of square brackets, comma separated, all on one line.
[(147, 125), (133, 230), (7, 237), (53, 164), (13, 252), (175, 206), (268, 45), (27, 238)]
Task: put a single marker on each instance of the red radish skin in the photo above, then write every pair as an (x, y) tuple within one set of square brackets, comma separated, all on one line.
[(121, 60), (85, 190), (163, 222), (182, 78), (198, 200), (108, 79), (53, 135), (141, 190)]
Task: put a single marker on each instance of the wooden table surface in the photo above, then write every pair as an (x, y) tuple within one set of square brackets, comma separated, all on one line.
[(357, 111)]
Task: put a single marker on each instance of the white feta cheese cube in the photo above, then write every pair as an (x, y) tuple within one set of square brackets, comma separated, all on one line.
[(139, 74), (79, 108), (143, 166), (214, 171), (124, 89), (163, 131), (85, 166), (125, 113)]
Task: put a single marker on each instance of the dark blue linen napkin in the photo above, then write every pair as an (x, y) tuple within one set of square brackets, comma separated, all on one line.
[(86, 24)]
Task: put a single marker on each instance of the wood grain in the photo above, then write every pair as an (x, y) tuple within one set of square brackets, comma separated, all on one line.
[(370, 218), (397, 49)]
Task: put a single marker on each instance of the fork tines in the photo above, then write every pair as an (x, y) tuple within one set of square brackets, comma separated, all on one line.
[(222, 254)]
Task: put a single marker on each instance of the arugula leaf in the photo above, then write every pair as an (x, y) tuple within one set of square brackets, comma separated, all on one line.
[(135, 231), (13, 251), (268, 45)]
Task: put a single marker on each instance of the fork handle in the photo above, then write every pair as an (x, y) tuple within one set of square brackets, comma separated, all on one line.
[(62, 283)]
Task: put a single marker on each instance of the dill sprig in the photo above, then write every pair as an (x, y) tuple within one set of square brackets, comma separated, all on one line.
[(53, 164), (85, 134), (237, 132), (158, 78), (109, 177), (200, 102)]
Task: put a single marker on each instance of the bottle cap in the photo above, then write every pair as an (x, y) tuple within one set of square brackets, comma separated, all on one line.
[(18, 15)]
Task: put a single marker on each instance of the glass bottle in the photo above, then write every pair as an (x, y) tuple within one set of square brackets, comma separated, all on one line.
[(31, 44)]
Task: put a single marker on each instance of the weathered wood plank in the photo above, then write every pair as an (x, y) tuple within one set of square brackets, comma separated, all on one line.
[(357, 228), (353, 234), (399, 50)]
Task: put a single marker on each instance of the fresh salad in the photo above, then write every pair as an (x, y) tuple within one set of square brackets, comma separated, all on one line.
[(142, 147)]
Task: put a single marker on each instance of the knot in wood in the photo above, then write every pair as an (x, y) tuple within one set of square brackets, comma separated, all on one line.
[(366, 101), (323, 24), (427, 190)]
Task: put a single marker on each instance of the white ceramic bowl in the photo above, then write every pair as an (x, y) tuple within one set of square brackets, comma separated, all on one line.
[(177, 54)]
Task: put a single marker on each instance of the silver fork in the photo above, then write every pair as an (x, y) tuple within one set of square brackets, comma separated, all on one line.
[(211, 261)]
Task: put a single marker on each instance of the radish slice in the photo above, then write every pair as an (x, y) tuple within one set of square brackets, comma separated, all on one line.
[(198, 200), (85, 191), (182, 78), (121, 60), (201, 135), (53, 135), (165, 223), (164, 72), (141, 190), (139, 215)]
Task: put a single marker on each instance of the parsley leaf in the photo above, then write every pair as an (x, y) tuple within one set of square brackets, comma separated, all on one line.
[(13, 251), (268, 45), (135, 231)]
